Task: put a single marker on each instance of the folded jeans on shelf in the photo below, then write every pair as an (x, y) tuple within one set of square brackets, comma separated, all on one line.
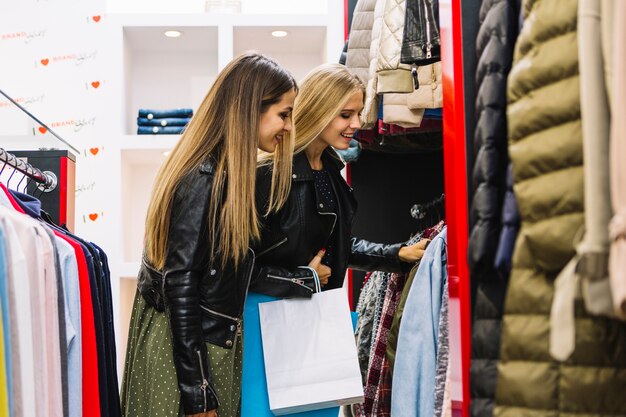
[(159, 130), (160, 114), (169, 121)]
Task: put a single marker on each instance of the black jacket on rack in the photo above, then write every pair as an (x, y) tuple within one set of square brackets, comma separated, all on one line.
[(203, 302), (494, 46), (294, 235), (421, 43)]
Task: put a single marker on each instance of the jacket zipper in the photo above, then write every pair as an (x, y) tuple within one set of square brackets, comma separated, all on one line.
[(429, 46), (294, 280), (208, 310), (274, 246), (416, 81), (245, 297), (205, 383)]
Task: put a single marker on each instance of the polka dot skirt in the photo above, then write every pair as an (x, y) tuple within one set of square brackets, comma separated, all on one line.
[(150, 386)]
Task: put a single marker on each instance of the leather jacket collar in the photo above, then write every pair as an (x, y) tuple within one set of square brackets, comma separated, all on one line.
[(302, 170)]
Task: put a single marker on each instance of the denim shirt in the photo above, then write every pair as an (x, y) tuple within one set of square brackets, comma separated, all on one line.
[(415, 368)]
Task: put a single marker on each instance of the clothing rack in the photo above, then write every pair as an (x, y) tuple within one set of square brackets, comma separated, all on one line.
[(423, 212), (47, 180)]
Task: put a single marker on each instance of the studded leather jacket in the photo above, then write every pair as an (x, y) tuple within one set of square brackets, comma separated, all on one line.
[(294, 235), (203, 302)]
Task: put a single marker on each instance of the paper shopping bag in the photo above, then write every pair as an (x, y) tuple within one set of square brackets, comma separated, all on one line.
[(310, 353)]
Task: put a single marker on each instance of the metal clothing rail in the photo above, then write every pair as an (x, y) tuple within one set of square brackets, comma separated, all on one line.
[(39, 121), (47, 180)]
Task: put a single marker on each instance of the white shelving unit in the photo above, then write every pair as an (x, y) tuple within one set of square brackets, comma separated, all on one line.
[(153, 71)]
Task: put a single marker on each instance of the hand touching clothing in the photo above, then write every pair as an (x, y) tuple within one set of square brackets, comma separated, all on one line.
[(323, 272), (414, 252)]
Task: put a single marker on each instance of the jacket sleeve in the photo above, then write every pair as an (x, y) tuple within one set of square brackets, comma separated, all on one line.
[(186, 257), (278, 281), (370, 256)]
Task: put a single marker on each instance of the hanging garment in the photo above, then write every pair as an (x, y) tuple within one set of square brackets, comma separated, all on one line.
[(392, 339), (510, 227), (545, 147), (23, 374), (593, 252), (44, 309), (421, 40), (358, 57), (369, 115), (617, 227), (69, 268), (5, 299), (415, 367), (364, 327), (442, 373), (4, 391), (378, 385), (494, 47), (393, 76)]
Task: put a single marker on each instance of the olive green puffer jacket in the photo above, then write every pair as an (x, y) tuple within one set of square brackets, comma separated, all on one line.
[(545, 147)]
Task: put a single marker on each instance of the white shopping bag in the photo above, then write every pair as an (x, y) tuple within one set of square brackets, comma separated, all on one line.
[(310, 353)]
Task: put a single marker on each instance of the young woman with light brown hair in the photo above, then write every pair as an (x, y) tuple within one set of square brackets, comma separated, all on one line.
[(185, 343)]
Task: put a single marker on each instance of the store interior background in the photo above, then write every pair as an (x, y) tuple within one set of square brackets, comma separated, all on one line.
[(85, 68)]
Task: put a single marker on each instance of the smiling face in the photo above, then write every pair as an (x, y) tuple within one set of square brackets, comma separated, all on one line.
[(341, 129), (276, 121)]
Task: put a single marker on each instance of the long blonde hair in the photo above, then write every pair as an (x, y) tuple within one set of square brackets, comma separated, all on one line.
[(225, 126), (323, 94)]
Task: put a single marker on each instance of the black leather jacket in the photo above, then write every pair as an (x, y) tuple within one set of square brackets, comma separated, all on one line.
[(203, 302), (294, 235), (421, 43)]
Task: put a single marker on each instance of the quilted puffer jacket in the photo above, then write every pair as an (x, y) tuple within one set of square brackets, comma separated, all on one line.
[(494, 47), (358, 58), (545, 147), (369, 115), (393, 76), (421, 41), (510, 227)]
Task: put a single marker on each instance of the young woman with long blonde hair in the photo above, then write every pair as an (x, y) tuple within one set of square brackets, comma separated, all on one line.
[(310, 238), (185, 343)]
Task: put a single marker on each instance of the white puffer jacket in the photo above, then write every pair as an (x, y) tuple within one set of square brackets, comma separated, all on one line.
[(393, 76), (358, 59), (370, 111)]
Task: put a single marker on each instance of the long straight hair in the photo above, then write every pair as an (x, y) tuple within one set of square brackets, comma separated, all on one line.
[(226, 126)]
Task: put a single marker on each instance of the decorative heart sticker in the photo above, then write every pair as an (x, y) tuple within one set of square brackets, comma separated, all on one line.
[(96, 18), (95, 84), (93, 217), (94, 151), (42, 129), (45, 61)]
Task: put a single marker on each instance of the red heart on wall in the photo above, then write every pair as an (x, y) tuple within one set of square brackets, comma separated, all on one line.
[(45, 61), (94, 151), (93, 217), (43, 130), (95, 84), (96, 18)]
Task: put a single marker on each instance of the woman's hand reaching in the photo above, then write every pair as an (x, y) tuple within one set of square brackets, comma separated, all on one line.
[(414, 252)]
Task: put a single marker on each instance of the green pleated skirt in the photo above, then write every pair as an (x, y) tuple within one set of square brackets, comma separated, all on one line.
[(150, 386)]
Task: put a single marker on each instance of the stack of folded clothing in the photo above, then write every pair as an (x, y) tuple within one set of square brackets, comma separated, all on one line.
[(163, 122)]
